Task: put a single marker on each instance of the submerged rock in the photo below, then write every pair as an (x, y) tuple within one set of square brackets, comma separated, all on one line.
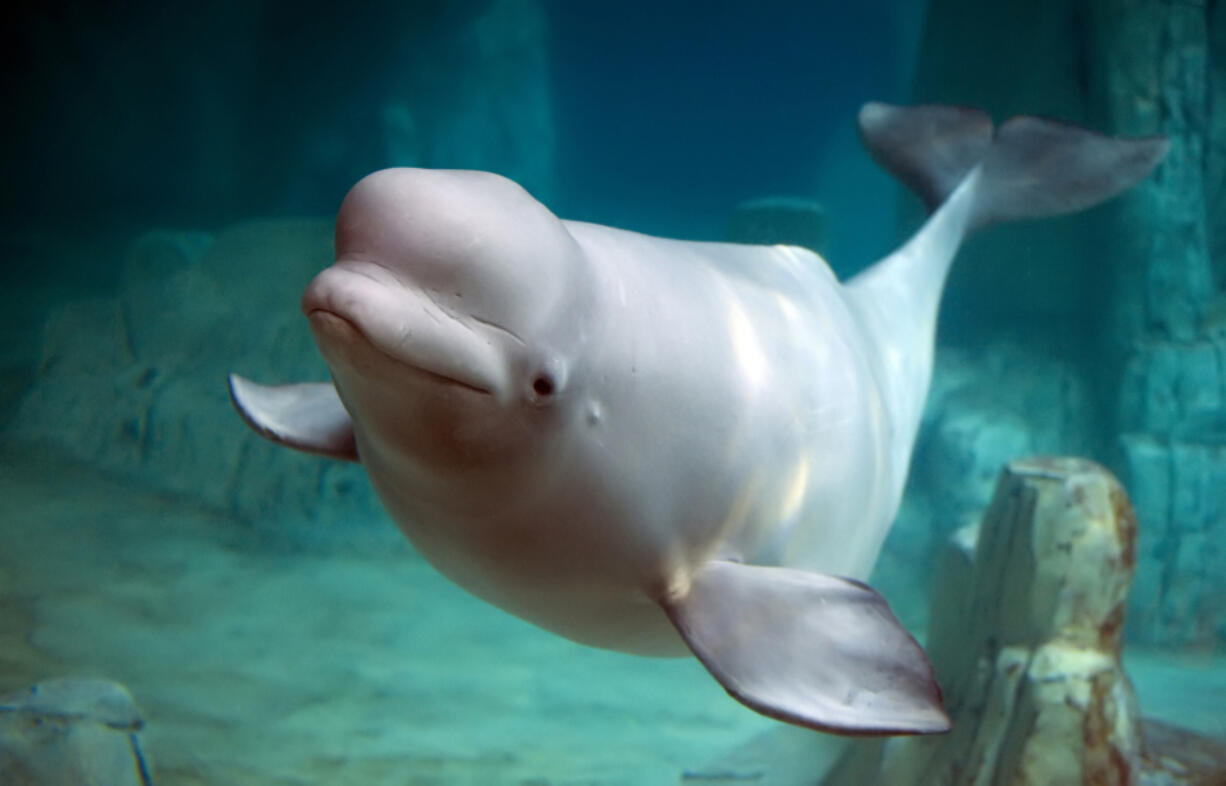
[(1178, 757), (71, 732), (1009, 397), (1025, 636)]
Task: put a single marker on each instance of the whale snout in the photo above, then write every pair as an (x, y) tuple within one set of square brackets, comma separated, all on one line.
[(365, 319), (474, 241)]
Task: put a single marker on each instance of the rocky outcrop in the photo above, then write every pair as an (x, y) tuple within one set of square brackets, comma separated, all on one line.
[(135, 383), (1025, 635), (72, 731)]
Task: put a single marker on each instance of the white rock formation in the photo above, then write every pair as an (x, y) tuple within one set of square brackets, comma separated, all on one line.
[(71, 732), (1025, 635)]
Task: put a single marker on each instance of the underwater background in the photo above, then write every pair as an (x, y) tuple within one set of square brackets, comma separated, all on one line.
[(170, 174)]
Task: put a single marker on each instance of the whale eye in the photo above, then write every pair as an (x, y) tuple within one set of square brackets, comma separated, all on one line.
[(543, 385), (547, 382)]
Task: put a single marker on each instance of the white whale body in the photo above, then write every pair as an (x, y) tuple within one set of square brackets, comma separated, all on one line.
[(665, 447)]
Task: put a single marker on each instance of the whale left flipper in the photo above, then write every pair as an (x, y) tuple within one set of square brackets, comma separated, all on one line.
[(808, 648), (307, 416)]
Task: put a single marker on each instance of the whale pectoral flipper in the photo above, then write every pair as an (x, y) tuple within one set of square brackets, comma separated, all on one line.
[(305, 416), (809, 648)]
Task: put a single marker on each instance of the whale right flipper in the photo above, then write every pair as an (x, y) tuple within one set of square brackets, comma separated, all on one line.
[(809, 648), (307, 416)]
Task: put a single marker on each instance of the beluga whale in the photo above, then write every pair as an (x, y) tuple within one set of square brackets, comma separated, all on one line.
[(658, 446)]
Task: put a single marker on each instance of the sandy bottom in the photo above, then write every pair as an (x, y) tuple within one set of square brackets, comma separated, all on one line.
[(259, 668)]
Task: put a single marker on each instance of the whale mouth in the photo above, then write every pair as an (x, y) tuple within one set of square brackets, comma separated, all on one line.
[(356, 302), (330, 323)]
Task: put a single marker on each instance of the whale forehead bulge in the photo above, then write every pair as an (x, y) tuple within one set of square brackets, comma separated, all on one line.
[(474, 240)]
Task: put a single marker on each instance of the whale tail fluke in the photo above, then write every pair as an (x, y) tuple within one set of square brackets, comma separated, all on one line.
[(1037, 168), (1030, 167)]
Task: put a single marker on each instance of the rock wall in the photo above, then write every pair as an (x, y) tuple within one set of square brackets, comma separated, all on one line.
[(135, 383), (1141, 277), (1164, 335)]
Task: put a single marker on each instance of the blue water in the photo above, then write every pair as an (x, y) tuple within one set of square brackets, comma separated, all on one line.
[(659, 105), (168, 180)]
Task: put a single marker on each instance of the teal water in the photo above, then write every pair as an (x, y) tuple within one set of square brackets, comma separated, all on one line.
[(170, 177)]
